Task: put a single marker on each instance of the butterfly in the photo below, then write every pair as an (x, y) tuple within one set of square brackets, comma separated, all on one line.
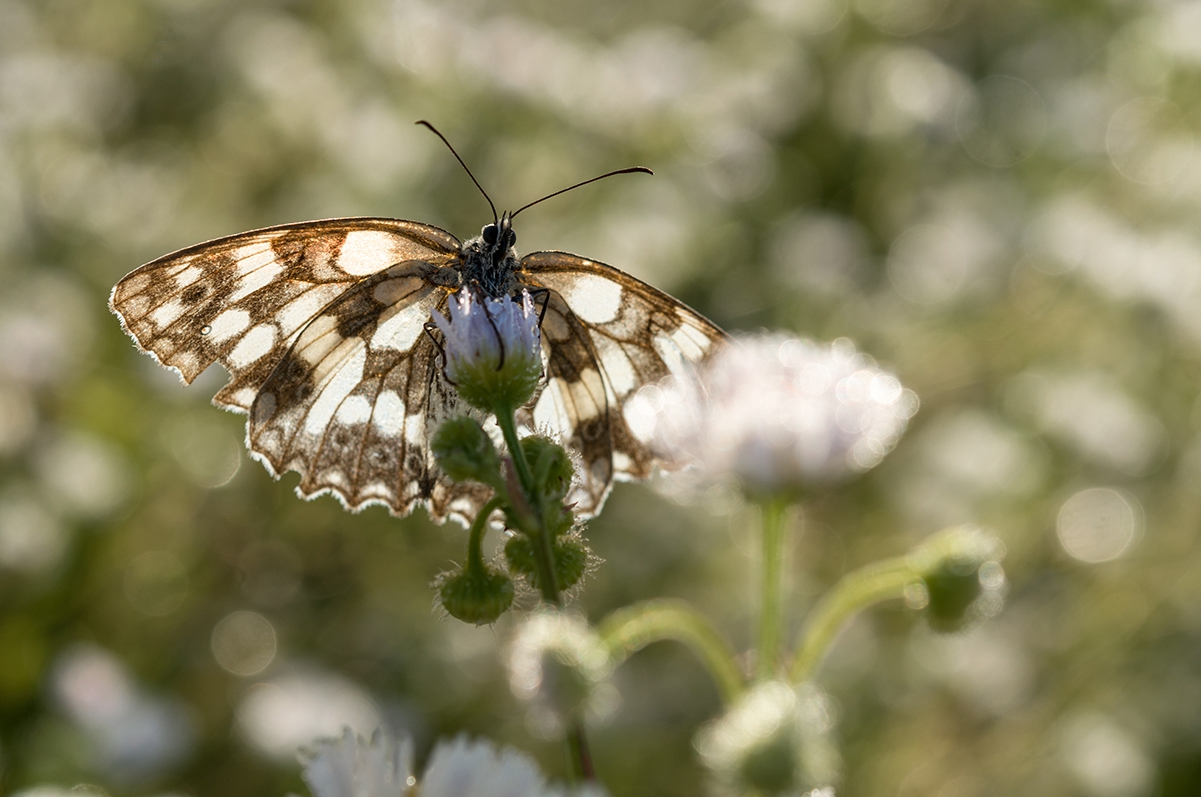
[(323, 328)]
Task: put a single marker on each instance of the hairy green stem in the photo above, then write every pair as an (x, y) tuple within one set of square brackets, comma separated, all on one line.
[(628, 630), (856, 591), (543, 554), (548, 583), (767, 658), (479, 527)]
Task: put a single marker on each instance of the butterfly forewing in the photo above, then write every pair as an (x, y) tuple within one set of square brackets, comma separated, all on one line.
[(241, 299), (606, 335)]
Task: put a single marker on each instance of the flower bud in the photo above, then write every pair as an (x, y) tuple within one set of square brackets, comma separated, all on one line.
[(962, 578), (465, 451), (550, 465), (478, 596), (951, 590), (773, 741), (559, 665), (569, 554), (493, 349)]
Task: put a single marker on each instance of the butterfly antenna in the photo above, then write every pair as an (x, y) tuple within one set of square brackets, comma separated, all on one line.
[(628, 170), (495, 218)]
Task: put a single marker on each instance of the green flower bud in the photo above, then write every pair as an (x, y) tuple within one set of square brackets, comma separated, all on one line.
[(568, 552), (951, 590), (493, 349), (772, 741), (550, 465), (961, 578), (478, 596), (465, 451), (559, 665)]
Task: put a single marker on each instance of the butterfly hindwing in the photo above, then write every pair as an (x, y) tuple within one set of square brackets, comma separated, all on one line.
[(351, 404), (606, 334)]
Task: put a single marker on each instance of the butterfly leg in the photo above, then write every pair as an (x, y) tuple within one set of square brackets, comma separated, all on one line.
[(544, 293), (428, 328)]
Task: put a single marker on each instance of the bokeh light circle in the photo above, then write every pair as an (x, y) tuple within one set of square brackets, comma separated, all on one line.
[(1098, 524)]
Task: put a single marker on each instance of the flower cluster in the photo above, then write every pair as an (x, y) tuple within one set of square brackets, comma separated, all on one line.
[(777, 413)]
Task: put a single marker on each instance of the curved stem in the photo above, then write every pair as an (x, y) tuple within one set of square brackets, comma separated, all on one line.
[(479, 527), (767, 658), (628, 630), (856, 591)]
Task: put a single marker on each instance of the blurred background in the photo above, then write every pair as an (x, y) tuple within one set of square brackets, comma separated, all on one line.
[(997, 199)]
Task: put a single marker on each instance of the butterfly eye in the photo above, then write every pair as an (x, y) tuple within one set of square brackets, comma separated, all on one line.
[(512, 237), (489, 234)]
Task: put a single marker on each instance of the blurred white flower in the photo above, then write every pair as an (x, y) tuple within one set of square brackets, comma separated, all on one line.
[(352, 766), (772, 741), (279, 715), (777, 412), (558, 664), (131, 733), (493, 348)]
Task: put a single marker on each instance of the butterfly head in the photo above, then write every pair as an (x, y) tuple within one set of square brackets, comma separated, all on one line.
[(499, 238), (489, 260)]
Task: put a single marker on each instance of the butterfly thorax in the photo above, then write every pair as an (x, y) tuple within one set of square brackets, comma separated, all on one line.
[(489, 260)]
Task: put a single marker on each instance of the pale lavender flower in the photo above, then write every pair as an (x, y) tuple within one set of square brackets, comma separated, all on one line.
[(777, 412), (352, 766), (493, 348)]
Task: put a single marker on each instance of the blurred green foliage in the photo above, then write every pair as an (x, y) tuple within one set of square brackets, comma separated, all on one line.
[(998, 200)]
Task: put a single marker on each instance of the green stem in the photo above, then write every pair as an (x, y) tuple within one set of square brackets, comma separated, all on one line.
[(767, 659), (479, 527), (544, 558), (877, 582), (628, 630), (577, 752), (544, 555)]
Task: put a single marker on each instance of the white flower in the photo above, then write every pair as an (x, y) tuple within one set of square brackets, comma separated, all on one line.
[(777, 412), (352, 766), (493, 348), (772, 741)]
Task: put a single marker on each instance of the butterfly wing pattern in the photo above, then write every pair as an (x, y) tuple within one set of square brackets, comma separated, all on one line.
[(606, 334), (321, 328)]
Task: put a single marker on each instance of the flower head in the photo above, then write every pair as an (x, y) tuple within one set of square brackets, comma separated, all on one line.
[(777, 412), (493, 349), (772, 741), (352, 766)]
